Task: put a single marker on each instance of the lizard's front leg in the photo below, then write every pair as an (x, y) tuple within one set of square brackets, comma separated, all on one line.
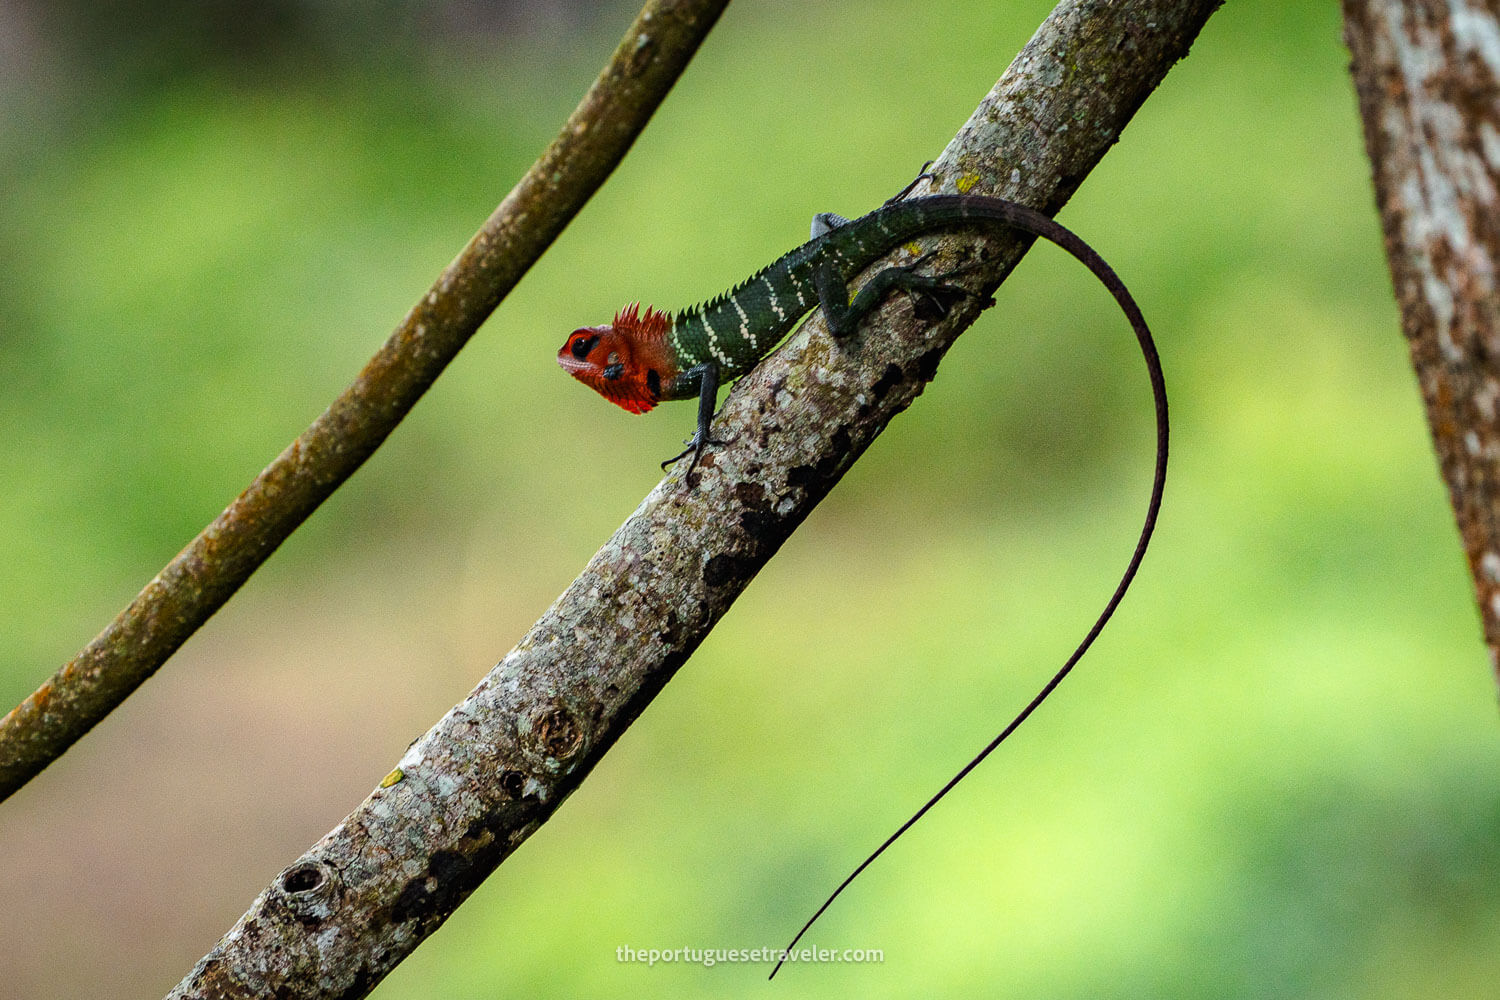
[(708, 393)]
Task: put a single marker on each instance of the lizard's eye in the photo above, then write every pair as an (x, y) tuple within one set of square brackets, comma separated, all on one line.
[(583, 345)]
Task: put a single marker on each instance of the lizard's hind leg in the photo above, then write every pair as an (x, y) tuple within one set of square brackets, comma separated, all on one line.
[(933, 296)]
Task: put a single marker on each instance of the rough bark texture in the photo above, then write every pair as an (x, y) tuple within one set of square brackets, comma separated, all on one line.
[(1428, 78), (212, 567), (498, 764)]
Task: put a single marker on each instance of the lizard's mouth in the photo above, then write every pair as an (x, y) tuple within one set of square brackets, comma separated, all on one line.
[(574, 367), (624, 391)]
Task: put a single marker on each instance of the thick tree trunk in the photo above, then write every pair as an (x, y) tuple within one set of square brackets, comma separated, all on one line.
[(1428, 77)]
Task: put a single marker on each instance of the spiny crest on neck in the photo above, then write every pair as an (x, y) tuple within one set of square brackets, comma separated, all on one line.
[(639, 325), (708, 305)]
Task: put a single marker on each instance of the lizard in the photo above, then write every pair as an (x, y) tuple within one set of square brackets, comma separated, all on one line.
[(646, 356)]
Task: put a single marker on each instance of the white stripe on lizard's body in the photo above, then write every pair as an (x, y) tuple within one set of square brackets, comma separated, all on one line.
[(771, 298), (713, 340)]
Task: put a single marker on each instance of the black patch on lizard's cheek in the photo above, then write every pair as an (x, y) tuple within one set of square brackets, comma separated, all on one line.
[(653, 382), (614, 371)]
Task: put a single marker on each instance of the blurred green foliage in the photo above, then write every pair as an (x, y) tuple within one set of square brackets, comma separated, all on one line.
[(1275, 776)]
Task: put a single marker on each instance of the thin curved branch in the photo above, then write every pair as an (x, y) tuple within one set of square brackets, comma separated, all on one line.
[(1428, 78), (205, 574), (493, 769)]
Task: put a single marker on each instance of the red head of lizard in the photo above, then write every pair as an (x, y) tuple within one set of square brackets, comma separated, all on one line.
[(629, 362)]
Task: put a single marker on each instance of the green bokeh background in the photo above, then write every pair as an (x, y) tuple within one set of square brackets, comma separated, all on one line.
[(1274, 776)]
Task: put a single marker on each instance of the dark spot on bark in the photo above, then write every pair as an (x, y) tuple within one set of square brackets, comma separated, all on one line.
[(668, 634), (483, 832), (706, 461), (364, 981), (762, 527), (724, 569), (752, 495), (757, 520), (513, 783), (889, 379), (673, 660), (449, 878), (818, 479), (303, 878), (813, 478), (927, 364), (447, 866), (309, 892)]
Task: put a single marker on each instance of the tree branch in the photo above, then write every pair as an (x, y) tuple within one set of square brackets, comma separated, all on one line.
[(1428, 79), (499, 763), (205, 574)]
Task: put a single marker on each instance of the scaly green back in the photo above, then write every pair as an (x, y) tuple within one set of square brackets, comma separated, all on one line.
[(736, 329)]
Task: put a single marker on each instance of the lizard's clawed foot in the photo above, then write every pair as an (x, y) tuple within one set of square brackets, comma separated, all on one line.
[(934, 296), (922, 175), (695, 448)]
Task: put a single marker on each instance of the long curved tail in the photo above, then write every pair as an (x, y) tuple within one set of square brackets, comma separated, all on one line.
[(1037, 224)]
